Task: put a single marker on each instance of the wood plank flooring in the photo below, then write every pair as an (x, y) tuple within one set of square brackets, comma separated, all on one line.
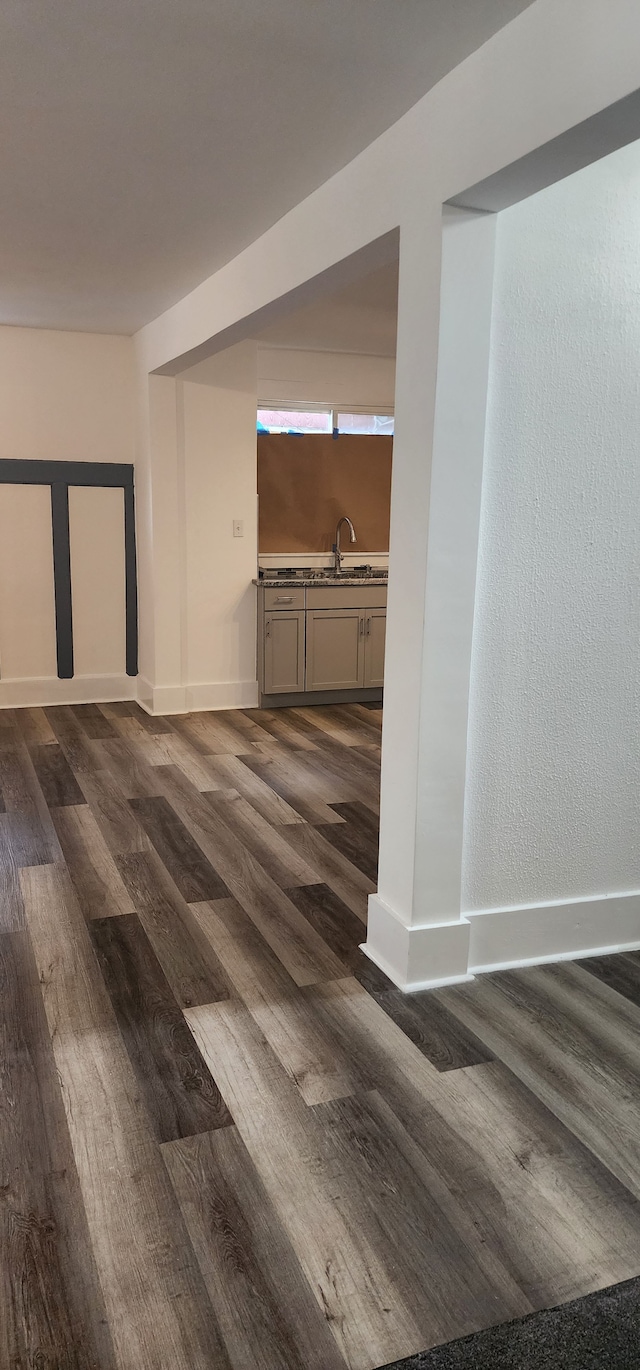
[(226, 1140)]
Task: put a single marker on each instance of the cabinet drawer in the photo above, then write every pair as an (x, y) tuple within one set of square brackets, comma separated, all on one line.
[(347, 597), (287, 598)]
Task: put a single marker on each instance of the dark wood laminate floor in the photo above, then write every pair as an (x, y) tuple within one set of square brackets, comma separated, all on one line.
[(226, 1140)]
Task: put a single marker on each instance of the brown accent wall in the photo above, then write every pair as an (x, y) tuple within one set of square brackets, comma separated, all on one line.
[(306, 483)]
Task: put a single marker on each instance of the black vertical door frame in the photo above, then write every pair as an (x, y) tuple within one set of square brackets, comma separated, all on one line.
[(59, 475), (62, 578)]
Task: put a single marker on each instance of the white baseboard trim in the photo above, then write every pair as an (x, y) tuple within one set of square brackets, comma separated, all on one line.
[(566, 930), (186, 699), (232, 694), (81, 689), (416, 985), (431, 956), (416, 957)]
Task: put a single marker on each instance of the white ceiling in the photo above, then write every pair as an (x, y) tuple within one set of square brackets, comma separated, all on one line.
[(361, 318), (144, 144)]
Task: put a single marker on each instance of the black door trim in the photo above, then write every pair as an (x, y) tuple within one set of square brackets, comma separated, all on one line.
[(59, 475)]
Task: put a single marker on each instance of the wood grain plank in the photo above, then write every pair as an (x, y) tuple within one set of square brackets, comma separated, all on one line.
[(34, 726), (360, 816), (170, 749), (93, 721), (389, 1198), (230, 772), (73, 739), (436, 1032), (184, 859), (287, 777), (366, 722), (579, 1063), (341, 929), (52, 1307), (334, 870), (326, 721), (55, 777), (131, 720), (180, 1095), (117, 822), (247, 724), (275, 855), (280, 728), (27, 823), (347, 774), (263, 1302), (11, 907), (209, 734), (305, 955), (96, 878), (186, 956), (358, 846), (319, 1070), (363, 728), (621, 973), (360, 1299), (368, 710), (134, 778), (158, 1310), (545, 1211)]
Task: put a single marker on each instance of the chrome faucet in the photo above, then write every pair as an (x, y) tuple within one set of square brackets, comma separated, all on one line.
[(338, 554)]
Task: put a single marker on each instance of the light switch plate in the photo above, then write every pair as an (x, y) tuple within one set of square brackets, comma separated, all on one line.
[(238, 528)]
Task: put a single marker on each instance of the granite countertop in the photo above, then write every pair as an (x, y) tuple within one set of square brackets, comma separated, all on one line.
[(299, 582)]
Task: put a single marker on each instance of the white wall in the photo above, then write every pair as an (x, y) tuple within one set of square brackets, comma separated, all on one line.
[(64, 397), (219, 406), (554, 745), (27, 617), (293, 376), (196, 584)]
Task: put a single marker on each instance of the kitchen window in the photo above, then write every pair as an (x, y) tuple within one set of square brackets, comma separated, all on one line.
[(295, 420), (372, 424)]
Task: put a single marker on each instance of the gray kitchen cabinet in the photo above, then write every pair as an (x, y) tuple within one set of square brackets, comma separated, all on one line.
[(284, 651), (375, 624), (320, 642), (335, 649)]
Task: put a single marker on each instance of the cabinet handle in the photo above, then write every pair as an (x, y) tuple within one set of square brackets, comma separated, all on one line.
[(368, 626), (267, 631), (361, 626), (284, 599)]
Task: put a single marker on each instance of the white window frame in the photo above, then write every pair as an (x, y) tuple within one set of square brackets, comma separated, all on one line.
[(334, 409)]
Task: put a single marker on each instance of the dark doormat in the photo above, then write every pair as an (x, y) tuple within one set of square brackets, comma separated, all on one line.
[(598, 1332)]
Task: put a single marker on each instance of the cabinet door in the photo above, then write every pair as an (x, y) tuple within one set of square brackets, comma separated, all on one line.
[(335, 649), (284, 652), (374, 635)]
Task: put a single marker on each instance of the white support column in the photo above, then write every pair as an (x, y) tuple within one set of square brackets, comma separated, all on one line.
[(415, 929), (159, 501)]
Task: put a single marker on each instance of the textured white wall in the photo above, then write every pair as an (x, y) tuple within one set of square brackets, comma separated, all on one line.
[(554, 745)]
